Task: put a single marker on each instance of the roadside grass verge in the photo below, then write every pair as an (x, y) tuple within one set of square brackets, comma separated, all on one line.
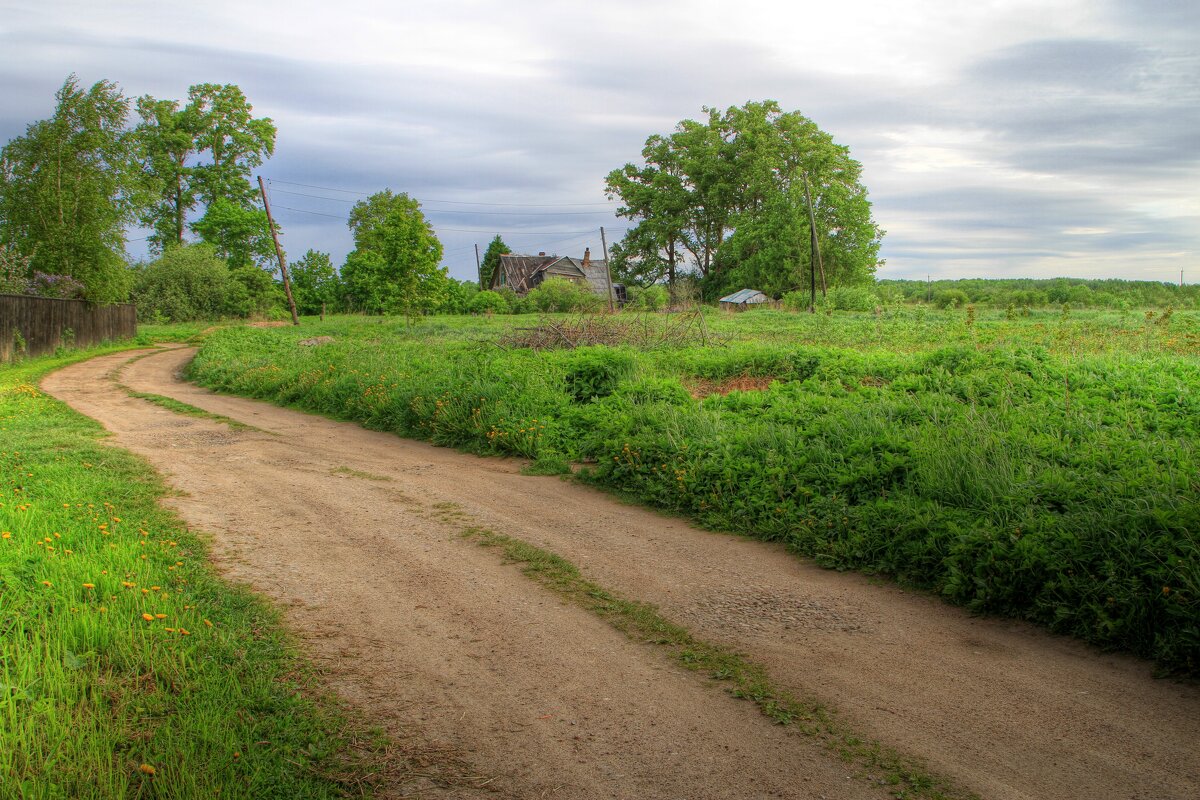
[(743, 678), (127, 667)]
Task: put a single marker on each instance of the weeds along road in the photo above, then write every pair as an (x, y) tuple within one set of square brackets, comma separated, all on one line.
[(357, 536)]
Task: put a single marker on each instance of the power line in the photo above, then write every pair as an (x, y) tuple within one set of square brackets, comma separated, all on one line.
[(448, 202), (473, 213), (455, 230)]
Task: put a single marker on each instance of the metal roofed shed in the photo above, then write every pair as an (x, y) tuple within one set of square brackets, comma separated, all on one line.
[(746, 298)]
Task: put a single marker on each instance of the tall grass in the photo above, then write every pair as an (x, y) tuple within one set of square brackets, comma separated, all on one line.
[(127, 668), (1056, 484)]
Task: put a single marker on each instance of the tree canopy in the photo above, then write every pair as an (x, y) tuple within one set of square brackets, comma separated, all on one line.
[(395, 262), (725, 199), (200, 154), (67, 190), (491, 260)]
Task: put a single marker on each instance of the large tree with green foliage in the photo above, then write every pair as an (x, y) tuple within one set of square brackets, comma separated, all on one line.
[(491, 261), (200, 153), (729, 192), (67, 190), (315, 283), (394, 266)]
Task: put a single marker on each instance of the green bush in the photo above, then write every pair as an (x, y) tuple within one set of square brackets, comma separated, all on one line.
[(851, 298), (593, 372), (649, 298), (950, 298), (489, 302), (185, 284), (561, 294)]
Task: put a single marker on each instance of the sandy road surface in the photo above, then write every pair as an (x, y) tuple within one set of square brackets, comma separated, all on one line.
[(422, 629)]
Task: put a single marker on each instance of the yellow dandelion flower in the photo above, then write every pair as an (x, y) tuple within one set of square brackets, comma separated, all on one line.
[(148, 617), (46, 583), (209, 624), (146, 769), (89, 586), (160, 616), (185, 632)]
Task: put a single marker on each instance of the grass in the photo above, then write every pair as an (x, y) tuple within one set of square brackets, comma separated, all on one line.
[(127, 667), (743, 678), (1040, 467)]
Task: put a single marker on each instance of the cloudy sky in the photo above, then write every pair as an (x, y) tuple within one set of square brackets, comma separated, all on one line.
[(999, 138)]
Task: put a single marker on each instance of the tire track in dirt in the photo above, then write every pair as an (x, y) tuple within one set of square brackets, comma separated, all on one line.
[(1006, 709)]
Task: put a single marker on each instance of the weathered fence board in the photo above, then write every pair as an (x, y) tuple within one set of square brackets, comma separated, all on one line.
[(32, 326)]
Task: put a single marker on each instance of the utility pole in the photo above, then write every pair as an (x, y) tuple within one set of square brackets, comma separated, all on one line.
[(287, 283), (607, 269), (812, 229), (478, 267)]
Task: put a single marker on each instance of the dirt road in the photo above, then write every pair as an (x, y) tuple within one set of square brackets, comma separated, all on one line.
[(435, 637)]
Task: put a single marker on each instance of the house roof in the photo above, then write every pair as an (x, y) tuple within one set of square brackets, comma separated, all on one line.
[(520, 269), (745, 296)]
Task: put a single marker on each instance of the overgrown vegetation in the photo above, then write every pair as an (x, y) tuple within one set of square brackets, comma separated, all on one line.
[(1043, 467), (127, 668)]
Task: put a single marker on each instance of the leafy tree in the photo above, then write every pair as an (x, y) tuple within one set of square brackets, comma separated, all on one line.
[(458, 296), (234, 140), (491, 261), (729, 191), (239, 234), (166, 140), (314, 282), (394, 264), (201, 153), (67, 190)]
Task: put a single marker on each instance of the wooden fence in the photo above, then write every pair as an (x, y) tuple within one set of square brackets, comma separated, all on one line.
[(32, 326)]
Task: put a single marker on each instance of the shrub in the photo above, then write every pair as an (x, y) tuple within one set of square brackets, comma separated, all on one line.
[(187, 283), (489, 302), (14, 271), (850, 298), (560, 294), (950, 298), (593, 372), (649, 298)]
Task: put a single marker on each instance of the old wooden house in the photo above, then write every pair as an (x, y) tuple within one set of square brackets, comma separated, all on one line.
[(523, 273)]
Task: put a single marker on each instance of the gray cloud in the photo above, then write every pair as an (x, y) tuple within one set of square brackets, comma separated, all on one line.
[(1118, 114)]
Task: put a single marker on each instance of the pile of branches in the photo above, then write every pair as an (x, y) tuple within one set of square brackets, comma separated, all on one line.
[(643, 331)]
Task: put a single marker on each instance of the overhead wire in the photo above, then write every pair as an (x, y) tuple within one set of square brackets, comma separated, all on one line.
[(451, 211), (455, 230), (448, 202)]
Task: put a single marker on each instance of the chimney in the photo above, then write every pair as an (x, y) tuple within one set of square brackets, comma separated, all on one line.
[(542, 253), (587, 257)]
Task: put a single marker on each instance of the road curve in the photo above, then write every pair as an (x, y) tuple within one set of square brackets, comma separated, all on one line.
[(432, 636)]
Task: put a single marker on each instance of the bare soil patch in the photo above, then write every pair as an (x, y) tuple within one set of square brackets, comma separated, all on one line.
[(436, 638)]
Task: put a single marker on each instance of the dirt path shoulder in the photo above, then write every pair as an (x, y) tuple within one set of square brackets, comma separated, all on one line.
[(420, 627)]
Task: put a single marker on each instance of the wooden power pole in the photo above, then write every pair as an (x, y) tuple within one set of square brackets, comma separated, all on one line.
[(812, 229), (479, 267), (607, 269), (287, 283)]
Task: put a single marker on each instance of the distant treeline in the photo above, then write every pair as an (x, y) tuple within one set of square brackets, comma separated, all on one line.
[(1032, 293)]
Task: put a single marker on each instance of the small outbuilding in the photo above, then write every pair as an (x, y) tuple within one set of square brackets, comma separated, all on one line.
[(746, 298)]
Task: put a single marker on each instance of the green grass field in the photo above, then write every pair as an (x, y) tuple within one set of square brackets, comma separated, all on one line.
[(1040, 466), (127, 667)]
